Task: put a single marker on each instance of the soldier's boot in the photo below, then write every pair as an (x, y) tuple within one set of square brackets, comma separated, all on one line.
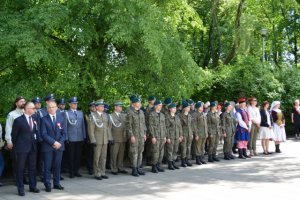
[(210, 158), (183, 164), (245, 153), (188, 162), (226, 156), (140, 171), (170, 165), (201, 159), (134, 172), (174, 165), (241, 154), (154, 169), (277, 148), (160, 169), (198, 162), (215, 158), (231, 156)]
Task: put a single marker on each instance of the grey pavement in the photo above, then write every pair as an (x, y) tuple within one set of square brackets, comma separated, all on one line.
[(275, 176)]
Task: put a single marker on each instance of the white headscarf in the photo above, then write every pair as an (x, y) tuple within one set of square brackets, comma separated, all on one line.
[(275, 103)]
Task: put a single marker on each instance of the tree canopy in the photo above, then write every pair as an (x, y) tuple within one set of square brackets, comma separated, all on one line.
[(205, 49)]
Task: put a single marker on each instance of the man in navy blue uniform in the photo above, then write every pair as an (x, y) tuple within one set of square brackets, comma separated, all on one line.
[(53, 137), (75, 135), (24, 131)]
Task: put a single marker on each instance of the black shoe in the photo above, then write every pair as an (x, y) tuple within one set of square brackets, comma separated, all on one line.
[(241, 156), (174, 165), (21, 193), (198, 162), (48, 189), (245, 153), (140, 172), (78, 175), (123, 171), (114, 173), (183, 164), (58, 187), (210, 158), (226, 157), (170, 165), (34, 190), (202, 160), (98, 178), (215, 159), (154, 169), (62, 178), (160, 169), (104, 177), (134, 172), (231, 156), (188, 162)]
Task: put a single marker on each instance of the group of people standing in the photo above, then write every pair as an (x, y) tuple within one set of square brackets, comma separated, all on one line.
[(38, 137)]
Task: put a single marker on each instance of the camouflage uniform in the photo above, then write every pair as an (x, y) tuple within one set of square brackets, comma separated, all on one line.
[(214, 129)]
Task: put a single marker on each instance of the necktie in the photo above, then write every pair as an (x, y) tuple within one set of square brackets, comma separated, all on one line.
[(30, 123), (53, 121), (75, 113)]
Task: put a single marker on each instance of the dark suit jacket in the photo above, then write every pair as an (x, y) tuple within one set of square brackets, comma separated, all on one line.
[(23, 138), (264, 119), (50, 134)]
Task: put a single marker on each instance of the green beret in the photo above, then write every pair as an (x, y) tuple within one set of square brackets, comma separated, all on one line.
[(185, 104), (172, 105), (151, 98), (198, 104)]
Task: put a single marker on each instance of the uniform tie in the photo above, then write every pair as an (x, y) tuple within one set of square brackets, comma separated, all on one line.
[(53, 121)]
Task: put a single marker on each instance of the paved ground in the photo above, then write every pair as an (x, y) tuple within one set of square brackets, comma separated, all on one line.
[(276, 176)]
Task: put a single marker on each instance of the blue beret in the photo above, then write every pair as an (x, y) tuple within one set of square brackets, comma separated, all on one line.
[(198, 104), (36, 100), (61, 101), (185, 104), (73, 100), (168, 100), (50, 97)]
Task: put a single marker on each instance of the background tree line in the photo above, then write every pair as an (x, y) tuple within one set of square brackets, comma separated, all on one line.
[(204, 49)]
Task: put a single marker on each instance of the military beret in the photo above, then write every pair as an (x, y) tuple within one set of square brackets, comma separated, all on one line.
[(227, 104), (73, 100), (213, 104), (99, 102), (151, 98), (185, 104), (242, 100), (190, 101), (167, 101), (198, 104), (50, 97), (135, 100), (157, 102), (172, 105), (36, 100)]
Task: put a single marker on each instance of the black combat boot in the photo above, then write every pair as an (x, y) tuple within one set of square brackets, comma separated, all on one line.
[(277, 148), (234, 148), (154, 169), (160, 169), (231, 156), (174, 165), (140, 171), (245, 153), (210, 158), (183, 164), (188, 162), (198, 162), (134, 172), (170, 165), (226, 157), (241, 154), (214, 157), (201, 159)]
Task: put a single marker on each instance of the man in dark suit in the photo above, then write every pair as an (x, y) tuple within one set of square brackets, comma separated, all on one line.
[(53, 137), (24, 131)]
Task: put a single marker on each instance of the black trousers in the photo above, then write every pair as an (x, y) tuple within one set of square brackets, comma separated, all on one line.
[(24, 159), (74, 156)]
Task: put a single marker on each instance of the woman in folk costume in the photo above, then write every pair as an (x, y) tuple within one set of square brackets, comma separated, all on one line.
[(278, 125), (242, 134)]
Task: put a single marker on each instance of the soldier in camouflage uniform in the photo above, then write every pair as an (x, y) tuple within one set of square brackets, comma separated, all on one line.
[(200, 132), (187, 129), (136, 133), (228, 128), (157, 131), (214, 131), (173, 135)]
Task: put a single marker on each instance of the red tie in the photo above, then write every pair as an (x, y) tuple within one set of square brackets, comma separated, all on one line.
[(30, 123)]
